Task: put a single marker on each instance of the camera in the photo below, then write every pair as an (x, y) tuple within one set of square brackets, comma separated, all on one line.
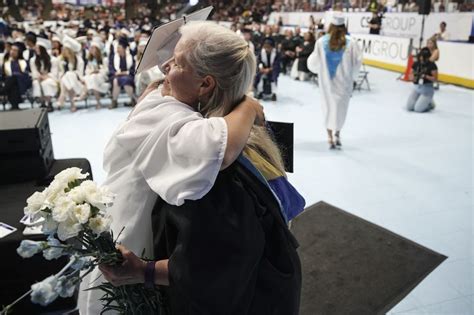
[(419, 72), (421, 69), (381, 13)]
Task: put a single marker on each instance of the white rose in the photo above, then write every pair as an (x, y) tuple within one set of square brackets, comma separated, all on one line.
[(49, 226), (63, 208), (44, 292), (54, 191), (35, 203), (65, 286), (71, 174), (77, 194), (54, 249), (69, 228), (30, 248), (81, 263), (94, 195), (82, 213), (100, 224)]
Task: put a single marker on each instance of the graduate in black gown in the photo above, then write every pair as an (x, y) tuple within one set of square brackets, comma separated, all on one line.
[(16, 78)]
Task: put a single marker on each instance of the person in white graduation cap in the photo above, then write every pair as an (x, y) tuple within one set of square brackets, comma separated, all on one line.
[(71, 72), (44, 71), (56, 46), (336, 59), (96, 73)]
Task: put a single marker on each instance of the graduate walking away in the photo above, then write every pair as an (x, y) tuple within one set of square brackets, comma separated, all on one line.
[(337, 60)]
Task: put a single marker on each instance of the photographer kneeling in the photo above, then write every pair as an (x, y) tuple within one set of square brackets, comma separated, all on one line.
[(423, 75)]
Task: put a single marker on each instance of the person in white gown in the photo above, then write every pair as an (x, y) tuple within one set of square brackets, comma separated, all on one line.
[(336, 59), (168, 149), (71, 72), (96, 73), (44, 72)]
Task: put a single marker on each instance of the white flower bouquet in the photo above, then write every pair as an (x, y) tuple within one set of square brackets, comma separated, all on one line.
[(73, 213)]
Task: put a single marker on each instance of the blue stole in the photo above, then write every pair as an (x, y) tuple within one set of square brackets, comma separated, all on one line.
[(333, 58)]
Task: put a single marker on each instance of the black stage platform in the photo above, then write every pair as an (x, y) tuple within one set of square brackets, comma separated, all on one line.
[(19, 274)]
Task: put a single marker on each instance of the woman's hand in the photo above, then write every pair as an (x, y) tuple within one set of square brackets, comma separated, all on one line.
[(257, 107), (150, 88), (131, 271)]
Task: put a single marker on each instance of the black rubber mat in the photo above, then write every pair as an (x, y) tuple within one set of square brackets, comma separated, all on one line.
[(352, 266)]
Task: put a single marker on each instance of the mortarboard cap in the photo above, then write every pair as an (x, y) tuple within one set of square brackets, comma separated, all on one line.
[(338, 19), (97, 42), (160, 46), (71, 43), (43, 42)]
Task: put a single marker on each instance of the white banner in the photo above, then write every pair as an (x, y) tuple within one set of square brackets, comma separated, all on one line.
[(387, 51), (394, 24), (455, 63)]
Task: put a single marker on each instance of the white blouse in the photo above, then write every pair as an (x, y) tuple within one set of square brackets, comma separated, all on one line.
[(165, 148)]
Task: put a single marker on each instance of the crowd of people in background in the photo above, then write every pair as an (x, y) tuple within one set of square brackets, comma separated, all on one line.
[(83, 55), (94, 51)]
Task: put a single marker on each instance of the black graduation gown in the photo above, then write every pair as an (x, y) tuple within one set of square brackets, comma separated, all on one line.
[(229, 252)]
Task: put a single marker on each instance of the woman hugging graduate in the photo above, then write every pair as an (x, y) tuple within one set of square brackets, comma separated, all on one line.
[(201, 187)]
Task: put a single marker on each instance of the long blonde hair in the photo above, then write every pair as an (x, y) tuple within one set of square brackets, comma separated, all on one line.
[(217, 51), (69, 55), (337, 40)]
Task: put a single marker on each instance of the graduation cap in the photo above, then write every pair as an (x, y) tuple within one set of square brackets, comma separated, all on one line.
[(123, 42), (72, 44), (43, 42), (160, 46), (270, 41), (97, 42)]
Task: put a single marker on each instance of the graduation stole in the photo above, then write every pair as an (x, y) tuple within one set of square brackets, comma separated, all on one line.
[(128, 59), (291, 202), (333, 58), (263, 56), (8, 69)]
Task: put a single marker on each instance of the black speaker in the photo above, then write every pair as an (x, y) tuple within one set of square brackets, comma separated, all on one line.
[(26, 150), (424, 6)]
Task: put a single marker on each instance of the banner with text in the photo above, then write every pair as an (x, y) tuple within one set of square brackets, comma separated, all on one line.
[(386, 52), (393, 24)]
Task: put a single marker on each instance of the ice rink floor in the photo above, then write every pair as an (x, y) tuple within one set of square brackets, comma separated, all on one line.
[(410, 173)]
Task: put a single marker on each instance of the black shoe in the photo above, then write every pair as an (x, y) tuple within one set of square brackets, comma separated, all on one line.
[(274, 97), (50, 107), (113, 105), (332, 146), (338, 142), (260, 96)]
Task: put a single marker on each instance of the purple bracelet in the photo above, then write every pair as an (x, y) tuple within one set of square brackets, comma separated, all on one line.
[(150, 275)]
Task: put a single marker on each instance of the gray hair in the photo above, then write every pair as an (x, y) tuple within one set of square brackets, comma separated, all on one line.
[(217, 51)]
